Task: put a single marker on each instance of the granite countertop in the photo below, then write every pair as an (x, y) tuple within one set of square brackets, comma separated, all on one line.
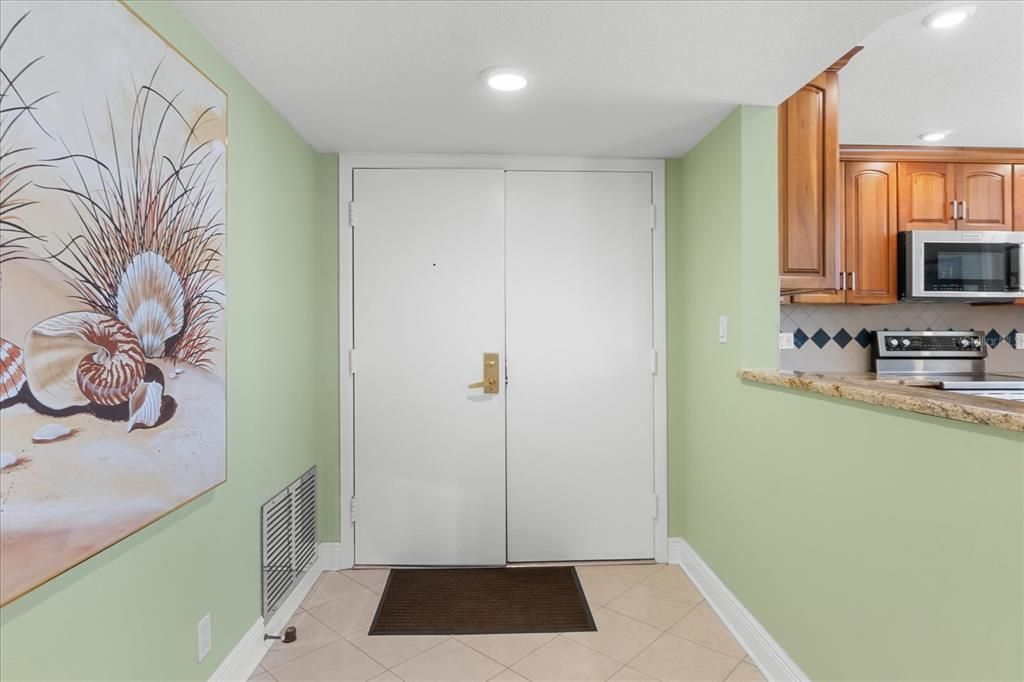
[(912, 395)]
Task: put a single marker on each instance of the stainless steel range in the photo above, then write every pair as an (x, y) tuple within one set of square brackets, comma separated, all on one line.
[(952, 361)]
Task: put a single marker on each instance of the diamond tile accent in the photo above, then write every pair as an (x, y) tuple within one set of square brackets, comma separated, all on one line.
[(820, 338), (842, 337), (836, 327)]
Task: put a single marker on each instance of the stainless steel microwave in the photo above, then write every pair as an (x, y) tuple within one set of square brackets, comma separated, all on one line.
[(960, 266)]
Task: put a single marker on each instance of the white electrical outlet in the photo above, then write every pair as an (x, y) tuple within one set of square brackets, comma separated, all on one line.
[(723, 329), (204, 632), (1019, 340), (786, 341)]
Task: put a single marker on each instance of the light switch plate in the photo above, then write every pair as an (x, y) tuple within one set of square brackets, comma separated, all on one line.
[(723, 329), (786, 341), (204, 633)]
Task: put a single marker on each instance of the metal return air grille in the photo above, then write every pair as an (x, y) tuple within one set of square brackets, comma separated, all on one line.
[(288, 546)]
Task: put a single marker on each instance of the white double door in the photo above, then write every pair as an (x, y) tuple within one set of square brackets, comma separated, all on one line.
[(551, 271)]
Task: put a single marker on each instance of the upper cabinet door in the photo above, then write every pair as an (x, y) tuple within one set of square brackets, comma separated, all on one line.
[(926, 195), (870, 224), (808, 186), (985, 194), (1018, 196)]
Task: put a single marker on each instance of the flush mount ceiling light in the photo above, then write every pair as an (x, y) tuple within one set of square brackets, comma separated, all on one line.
[(934, 136), (948, 16), (504, 78)]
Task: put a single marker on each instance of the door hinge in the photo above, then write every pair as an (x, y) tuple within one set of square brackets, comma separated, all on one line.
[(352, 361), (351, 214), (353, 509), (654, 217), (654, 361), (654, 505)]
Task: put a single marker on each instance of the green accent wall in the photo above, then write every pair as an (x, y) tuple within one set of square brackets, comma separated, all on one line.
[(131, 611), (873, 544)]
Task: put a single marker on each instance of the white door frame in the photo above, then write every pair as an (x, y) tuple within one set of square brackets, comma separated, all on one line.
[(348, 162)]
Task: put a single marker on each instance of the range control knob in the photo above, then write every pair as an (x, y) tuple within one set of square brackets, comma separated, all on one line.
[(905, 342), (893, 342), (965, 342), (976, 342)]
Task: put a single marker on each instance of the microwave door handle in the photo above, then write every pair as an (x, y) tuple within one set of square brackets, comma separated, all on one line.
[(1018, 251)]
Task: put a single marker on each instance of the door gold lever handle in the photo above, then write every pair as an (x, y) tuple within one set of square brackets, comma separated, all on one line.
[(490, 381)]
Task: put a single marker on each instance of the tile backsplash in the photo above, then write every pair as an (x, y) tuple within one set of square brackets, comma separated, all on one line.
[(837, 338)]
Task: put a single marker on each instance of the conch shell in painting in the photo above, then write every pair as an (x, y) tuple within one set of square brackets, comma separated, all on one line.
[(151, 301), (78, 358), (12, 370), (144, 406)]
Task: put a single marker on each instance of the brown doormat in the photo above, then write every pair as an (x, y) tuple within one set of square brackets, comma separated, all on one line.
[(482, 601)]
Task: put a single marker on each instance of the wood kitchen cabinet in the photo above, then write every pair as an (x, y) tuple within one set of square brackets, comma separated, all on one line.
[(867, 248), (870, 232), (1018, 196), (985, 192), (955, 196), (809, 186), (926, 195), (887, 189)]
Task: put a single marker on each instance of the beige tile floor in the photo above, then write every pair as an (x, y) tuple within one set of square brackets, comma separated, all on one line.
[(652, 624)]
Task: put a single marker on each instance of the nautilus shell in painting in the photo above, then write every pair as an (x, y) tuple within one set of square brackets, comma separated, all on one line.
[(75, 359), (112, 285)]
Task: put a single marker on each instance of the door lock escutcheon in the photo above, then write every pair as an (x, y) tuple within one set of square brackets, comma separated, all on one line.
[(490, 380)]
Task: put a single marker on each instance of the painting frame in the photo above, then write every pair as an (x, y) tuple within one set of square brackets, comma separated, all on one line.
[(7, 597)]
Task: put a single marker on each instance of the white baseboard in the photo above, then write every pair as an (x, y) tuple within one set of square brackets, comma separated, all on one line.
[(331, 554), (242, 660), (773, 661)]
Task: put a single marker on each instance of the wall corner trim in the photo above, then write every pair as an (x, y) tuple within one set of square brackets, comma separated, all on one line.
[(242, 660), (770, 657)]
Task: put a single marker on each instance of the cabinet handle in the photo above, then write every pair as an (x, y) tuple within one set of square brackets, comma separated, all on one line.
[(842, 281), (963, 210), (953, 204), (853, 281)]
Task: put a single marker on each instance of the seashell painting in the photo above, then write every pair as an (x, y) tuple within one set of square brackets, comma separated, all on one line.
[(113, 189), (12, 370)]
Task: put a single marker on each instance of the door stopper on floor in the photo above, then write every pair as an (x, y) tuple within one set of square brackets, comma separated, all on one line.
[(290, 635)]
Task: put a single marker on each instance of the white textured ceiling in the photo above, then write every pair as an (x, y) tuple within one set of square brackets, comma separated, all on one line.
[(634, 78), (910, 79)]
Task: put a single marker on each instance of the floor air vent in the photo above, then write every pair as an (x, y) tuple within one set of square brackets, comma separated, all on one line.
[(288, 546)]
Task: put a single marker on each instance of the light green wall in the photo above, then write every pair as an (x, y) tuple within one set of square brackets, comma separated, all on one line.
[(131, 612), (872, 544)]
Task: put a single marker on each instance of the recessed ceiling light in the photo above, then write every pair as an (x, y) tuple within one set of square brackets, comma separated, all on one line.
[(948, 16), (504, 78), (934, 136)]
